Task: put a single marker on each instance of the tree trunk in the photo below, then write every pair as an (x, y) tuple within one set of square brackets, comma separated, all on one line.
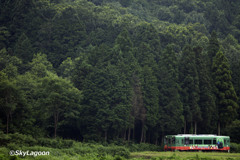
[(129, 133), (219, 128), (106, 136), (185, 126), (55, 123), (156, 140), (142, 134), (191, 129), (55, 127), (7, 122), (162, 139), (124, 135), (195, 132)]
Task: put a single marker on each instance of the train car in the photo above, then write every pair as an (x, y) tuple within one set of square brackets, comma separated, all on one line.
[(191, 142)]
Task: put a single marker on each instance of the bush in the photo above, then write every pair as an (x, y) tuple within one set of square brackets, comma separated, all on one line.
[(55, 143), (22, 139), (3, 153), (28, 140), (143, 147), (235, 148), (44, 142), (4, 139), (13, 146), (114, 151), (19, 139)]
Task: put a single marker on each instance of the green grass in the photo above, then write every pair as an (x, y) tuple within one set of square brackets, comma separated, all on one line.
[(186, 155), (96, 152)]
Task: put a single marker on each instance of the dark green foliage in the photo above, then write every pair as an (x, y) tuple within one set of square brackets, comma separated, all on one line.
[(207, 97), (143, 147), (233, 130), (226, 96), (171, 107), (10, 100), (114, 151), (125, 3), (69, 147), (61, 99), (4, 35), (23, 48), (190, 87), (235, 148), (213, 46), (106, 70)]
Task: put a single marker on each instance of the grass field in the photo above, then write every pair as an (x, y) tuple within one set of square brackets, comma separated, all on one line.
[(186, 155), (63, 149)]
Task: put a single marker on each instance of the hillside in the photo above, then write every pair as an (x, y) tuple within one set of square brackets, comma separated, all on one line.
[(131, 70)]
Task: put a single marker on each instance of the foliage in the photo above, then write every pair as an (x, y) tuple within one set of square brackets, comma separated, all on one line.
[(235, 148), (59, 147), (143, 147), (225, 93), (104, 70)]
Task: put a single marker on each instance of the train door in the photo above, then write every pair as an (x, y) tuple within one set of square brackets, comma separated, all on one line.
[(186, 139), (220, 143), (167, 142)]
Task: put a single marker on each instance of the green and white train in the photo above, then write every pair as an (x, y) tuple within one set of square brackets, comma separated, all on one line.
[(191, 142)]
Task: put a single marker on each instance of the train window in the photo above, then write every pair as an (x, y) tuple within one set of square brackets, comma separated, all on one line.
[(186, 140), (177, 141), (198, 141), (207, 142), (182, 141), (165, 141), (214, 141), (191, 141), (173, 140), (169, 141), (225, 141)]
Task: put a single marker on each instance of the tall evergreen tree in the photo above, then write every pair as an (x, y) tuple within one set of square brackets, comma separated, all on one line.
[(171, 107), (4, 37), (150, 101), (149, 88), (190, 87), (207, 98), (23, 48), (123, 58), (213, 47), (226, 96)]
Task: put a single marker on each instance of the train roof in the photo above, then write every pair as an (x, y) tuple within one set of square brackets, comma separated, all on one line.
[(197, 135)]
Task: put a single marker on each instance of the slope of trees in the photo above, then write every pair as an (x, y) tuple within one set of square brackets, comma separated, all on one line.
[(119, 70)]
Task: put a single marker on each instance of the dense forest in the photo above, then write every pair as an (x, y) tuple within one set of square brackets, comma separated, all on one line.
[(132, 70)]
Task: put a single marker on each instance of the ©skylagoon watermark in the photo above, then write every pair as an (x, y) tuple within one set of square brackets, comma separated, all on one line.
[(28, 153)]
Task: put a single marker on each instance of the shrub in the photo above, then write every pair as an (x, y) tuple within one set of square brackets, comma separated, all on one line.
[(19, 139), (4, 153), (114, 151), (44, 142), (143, 147), (83, 149), (4, 139), (235, 148), (22, 139), (13, 146), (55, 143)]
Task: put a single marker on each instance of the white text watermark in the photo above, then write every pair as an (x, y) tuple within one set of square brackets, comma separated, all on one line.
[(28, 153)]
